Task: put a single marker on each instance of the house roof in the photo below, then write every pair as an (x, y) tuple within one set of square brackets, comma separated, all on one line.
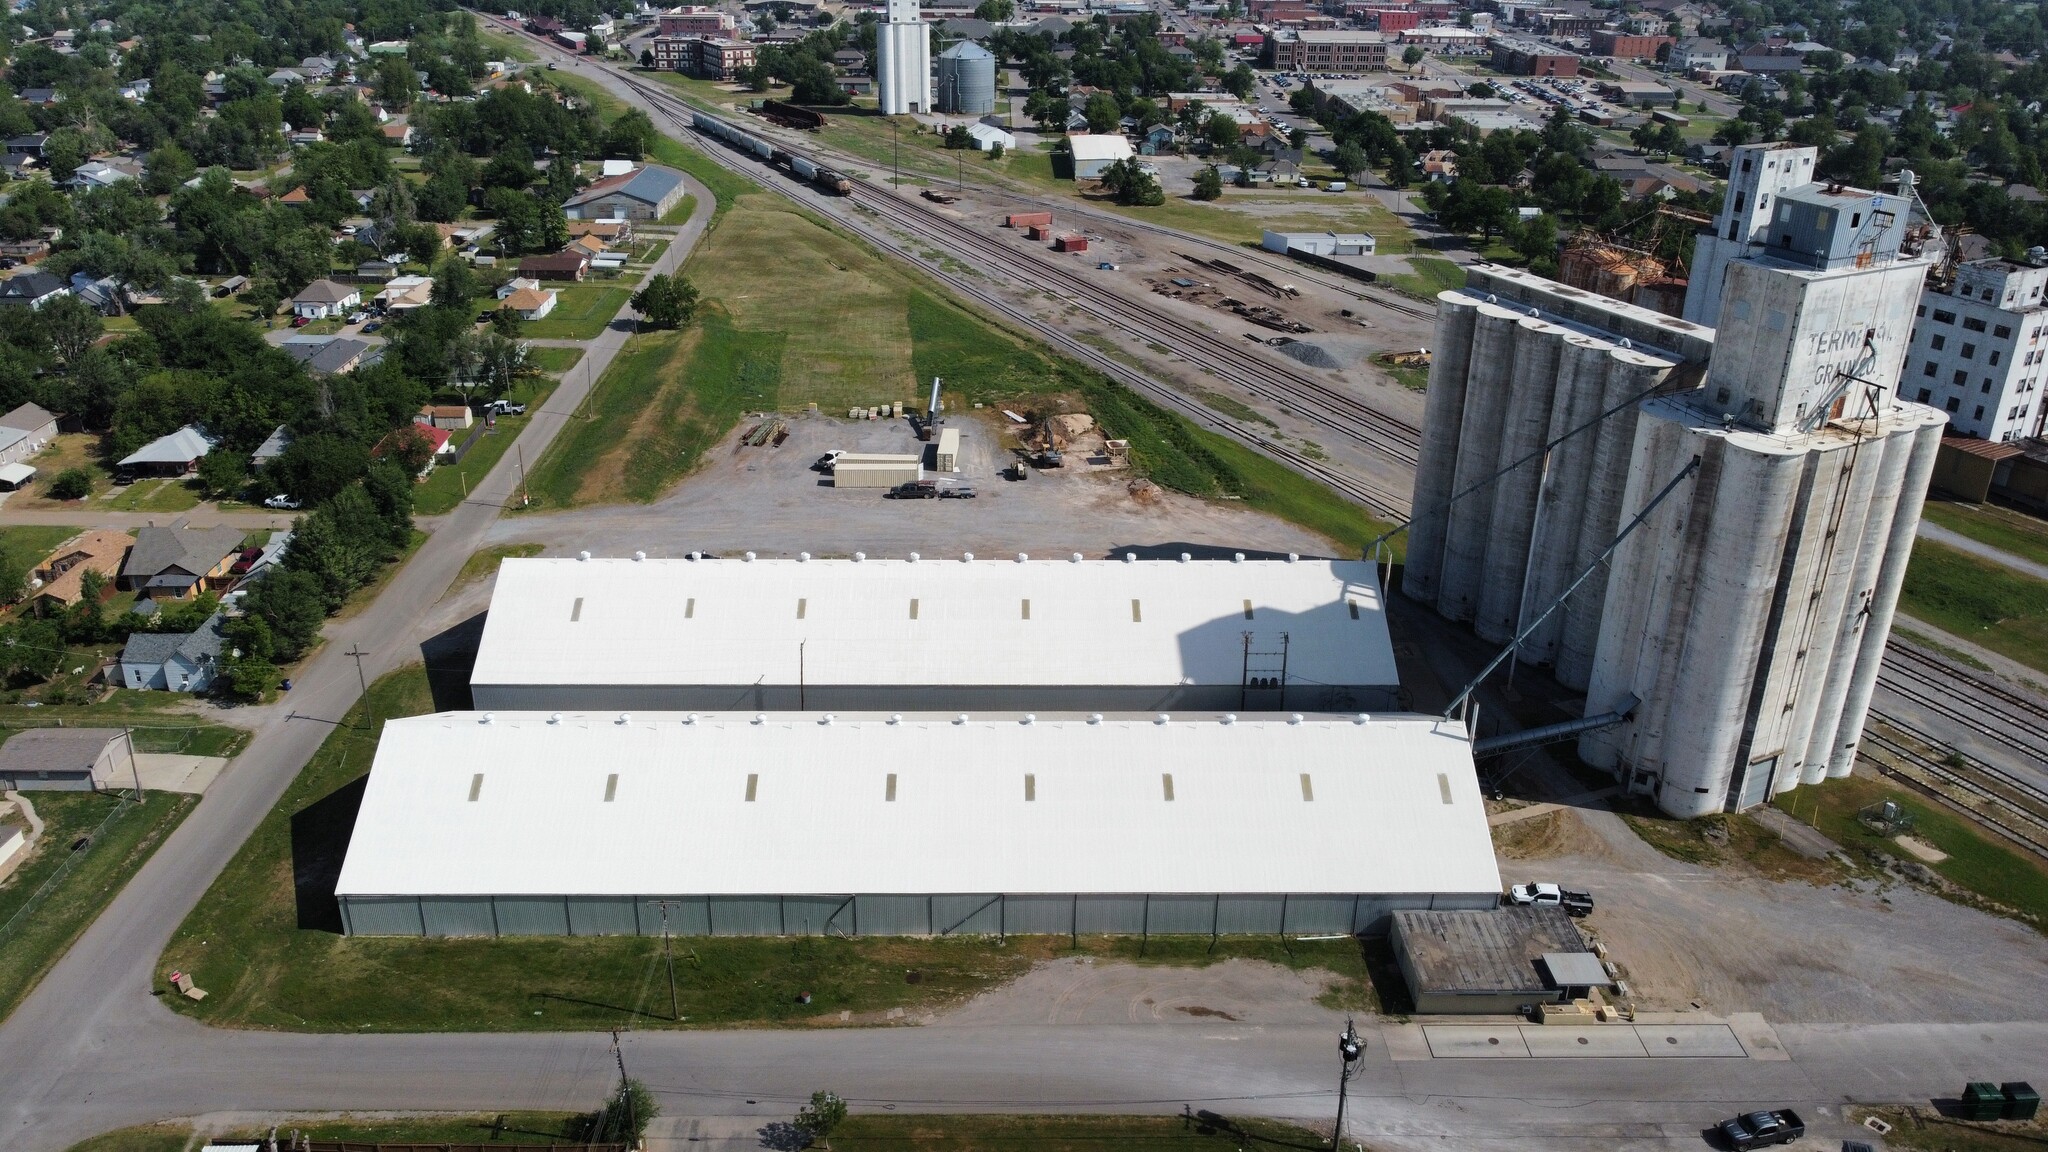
[(338, 354), (1105, 147), (650, 184), (273, 446), (54, 750), (527, 299), (1993, 450), (32, 285), (192, 550), (181, 447), (197, 647), (325, 292), (28, 417), (103, 554), (554, 262)]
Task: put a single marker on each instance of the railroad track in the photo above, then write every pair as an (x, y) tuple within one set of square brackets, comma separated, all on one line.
[(2013, 808), (1973, 702), (1345, 416)]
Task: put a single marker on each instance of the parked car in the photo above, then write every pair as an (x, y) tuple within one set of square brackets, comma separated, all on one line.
[(1535, 894), (824, 463), (301, 321), (915, 490), (372, 326), (505, 408), (358, 317), (245, 561), (1337, 186), (1762, 1129), (963, 492), (281, 501)]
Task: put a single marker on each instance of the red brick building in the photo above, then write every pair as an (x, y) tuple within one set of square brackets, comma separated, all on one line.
[(1626, 46), (709, 57)]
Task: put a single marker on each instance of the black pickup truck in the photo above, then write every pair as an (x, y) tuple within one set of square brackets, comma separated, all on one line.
[(1762, 1129)]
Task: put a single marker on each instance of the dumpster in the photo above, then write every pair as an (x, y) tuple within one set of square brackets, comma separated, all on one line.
[(2021, 1101), (1983, 1100)]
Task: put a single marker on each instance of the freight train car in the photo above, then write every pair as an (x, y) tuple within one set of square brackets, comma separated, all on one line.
[(833, 182), (791, 115)]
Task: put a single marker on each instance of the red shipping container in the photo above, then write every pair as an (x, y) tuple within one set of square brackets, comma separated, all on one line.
[(1071, 244), (1039, 232), (1026, 219)]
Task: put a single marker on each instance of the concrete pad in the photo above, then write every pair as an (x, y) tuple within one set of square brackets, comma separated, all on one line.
[(165, 772), (1405, 1042), (1690, 1040), (1464, 1042), (1757, 1036), (1550, 1041)]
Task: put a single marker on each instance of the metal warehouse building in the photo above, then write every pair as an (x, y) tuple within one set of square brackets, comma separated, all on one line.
[(936, 635), (476, 824)]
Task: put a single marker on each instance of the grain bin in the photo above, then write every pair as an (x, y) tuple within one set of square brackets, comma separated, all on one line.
[(967, 80)]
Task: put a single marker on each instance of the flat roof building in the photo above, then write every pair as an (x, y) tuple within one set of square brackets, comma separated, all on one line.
[(1087, 635), (477, 824), (1491, 962)]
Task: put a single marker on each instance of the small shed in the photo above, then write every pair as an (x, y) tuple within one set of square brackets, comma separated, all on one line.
[(947, 458), (1070, 243), (13, 476), (1484, 962), (64, 759), (876, 469)]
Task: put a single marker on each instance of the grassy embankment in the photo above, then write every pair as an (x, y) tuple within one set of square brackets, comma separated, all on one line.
[(123, 835), (511, 1129), (264, 941), (1979, 600), (2002, 528)]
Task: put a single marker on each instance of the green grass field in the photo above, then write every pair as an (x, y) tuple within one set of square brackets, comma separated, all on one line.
[(876, 1132), (1922, 1129), (1433, 274), (553, 360), (2002, 528), (581, 312), (484, 561), (449, 484), (31, 945), (511, 1129), (152, 496), (272, 956), (32, 543), (1981, 601)]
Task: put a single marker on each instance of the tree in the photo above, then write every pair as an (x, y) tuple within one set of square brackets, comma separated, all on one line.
[(666, 301), (1733, 133), (249, 679), (70, 325), (292, 608), (958, 137), (1209, 184), (625, 1115), (1102, 113), (631, 136), (1412, 55), (1240, 81), (647, 57), (1220, 131), (1536, 238), (395, 83), (825, 1112), (1348, 160), (1132, 185), (71, 484), (1048, 109), (995, 150), (223, 473), (995, 11)]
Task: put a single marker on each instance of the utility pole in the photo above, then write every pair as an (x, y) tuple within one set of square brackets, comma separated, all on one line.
[(1349, 1046), (358, 653), (675, 1011), (525, 497), (129, 735), (896, 158), (625, 1090)]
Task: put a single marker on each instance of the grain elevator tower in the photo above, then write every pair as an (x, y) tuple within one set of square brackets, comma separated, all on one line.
[(903, 64), (1741, 625)]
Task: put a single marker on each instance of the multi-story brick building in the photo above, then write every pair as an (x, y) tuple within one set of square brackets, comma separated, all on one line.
[(1626, 46), (708, 57), (1334, 50), (1979, 350), (695, 20), (1387, 20), (1528, 58)]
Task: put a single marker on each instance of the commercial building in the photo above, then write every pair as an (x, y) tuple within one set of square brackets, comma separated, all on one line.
[(1486, 963), (1633, 94), (1319, 243), (1757, 175), (1978, 353), (967, 80), (1333, 50), (66, 760), (1531, 58), (695, 20), (1629, 46), (1390, 20), (537, 824), (924, 634), (1447, 40), (903, 60), (708, 57), (647, 193), (1774, 471), (1094, 153)]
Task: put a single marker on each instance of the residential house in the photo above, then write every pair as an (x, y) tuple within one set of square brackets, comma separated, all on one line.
[(452, 417), (405, 293), (376, 270), (1160, 141), (67, 760), (60, 579), (397, 133), (171, 662), (179, 563), (104, 173), (531, 303), (296, 197), (103, 295), (439, 443), (333, 355), (34, 419), (590, 246), (34, 288), (613, 232), (41, 97), (19, 164), (648, 193), (273, 446), (31, 144), (566, 265), (324, 298), (1699, 54), (177, 454), (256, 568), (33, 251)]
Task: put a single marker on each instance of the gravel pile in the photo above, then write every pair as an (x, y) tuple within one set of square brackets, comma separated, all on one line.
[(1313, 355)]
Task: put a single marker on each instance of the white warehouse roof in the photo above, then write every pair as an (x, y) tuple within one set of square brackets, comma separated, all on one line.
[(1102, 147), (465, 804), (620, 622)]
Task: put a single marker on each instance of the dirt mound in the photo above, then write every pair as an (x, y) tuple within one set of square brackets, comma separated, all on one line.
[(1143, 491), (1313, 355)]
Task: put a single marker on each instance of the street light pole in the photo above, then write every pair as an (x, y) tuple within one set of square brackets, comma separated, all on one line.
[(1350, 1046), (675, 1012)]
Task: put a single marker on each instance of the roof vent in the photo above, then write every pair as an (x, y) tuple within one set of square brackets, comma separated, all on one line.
[(1021, 557), (803, 557), (639, 555), (1184, 557), (1293, 556), (859, 556), (913, 557), (1230, 717), (749, 557), (690, 719), (1627, 343), (760, 717), (896, 718), (967, 557), (555, 719), (625, 717), (1076, 558), (1294, 718), (583, 555), (696, 555), (1161, 718), (1028, 718), (960, 719), (489, 716), (1237, 557), (826, 720), (1095, 717), (1361, 718), (1129, 557)]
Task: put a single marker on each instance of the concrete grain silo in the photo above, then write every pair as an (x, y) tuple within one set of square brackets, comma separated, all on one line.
[(967, 80)]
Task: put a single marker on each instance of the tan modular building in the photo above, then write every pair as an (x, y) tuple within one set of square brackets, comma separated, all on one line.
[(948, 459), (876, 470)]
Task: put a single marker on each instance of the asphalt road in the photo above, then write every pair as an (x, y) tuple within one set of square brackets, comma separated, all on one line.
[(94, 1006)]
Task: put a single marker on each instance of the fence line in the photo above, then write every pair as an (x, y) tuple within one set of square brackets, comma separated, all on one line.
[(70, 862)]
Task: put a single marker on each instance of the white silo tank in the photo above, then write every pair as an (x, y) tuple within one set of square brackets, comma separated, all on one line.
[(967, 80), (1561, 495), (1468, 522), (1436, 463), (1525, 425)]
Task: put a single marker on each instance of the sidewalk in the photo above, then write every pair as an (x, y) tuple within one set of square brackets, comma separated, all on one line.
[(1935, 533)]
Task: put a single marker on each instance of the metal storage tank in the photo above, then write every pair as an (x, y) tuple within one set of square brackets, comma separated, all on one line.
[(1525, 427), (1437, 462), (1466, 527), (967, 80)]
